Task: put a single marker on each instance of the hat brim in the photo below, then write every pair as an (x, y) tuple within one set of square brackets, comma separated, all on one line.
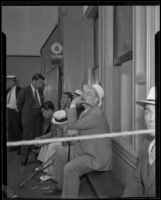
[(11, 78), (143, 103), (55, 122), (76, 94)]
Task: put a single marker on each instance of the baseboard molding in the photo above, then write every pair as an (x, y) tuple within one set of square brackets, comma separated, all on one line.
[(124, 150), (123, 160)]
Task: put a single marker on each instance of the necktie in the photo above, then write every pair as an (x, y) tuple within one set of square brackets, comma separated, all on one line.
[(37, 104)]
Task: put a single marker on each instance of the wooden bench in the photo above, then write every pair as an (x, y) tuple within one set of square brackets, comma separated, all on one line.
[(105, 184)]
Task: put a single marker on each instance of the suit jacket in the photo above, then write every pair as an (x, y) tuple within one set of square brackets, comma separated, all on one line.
[(142, 183), (25, 102), (91, 122)]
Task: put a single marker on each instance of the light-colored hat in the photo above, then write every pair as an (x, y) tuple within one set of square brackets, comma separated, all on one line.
[(78, 92), (59, 117), (100, 92), (150, 98), (11, 77)]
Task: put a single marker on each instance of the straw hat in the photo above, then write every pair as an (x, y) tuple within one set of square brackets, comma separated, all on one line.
[(150, 98), (78, 92), (11, 77), (59, 117)]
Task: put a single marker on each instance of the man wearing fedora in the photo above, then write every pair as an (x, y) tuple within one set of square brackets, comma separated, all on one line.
[(14, 126), (86, 155), (142, 182), (29, 103)]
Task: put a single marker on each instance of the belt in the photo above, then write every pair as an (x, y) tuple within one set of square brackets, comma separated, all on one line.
[(13, 109)]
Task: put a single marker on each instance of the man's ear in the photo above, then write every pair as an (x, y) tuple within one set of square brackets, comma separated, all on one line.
[(97, 100)]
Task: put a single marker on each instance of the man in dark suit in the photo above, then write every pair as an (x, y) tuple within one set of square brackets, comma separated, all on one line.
[(142, 182), (13, 115), (29, 103)]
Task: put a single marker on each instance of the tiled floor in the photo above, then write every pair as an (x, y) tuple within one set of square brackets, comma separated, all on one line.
[(16, 175)]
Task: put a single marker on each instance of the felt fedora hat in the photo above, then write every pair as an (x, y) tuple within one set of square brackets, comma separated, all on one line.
[(150, 98)]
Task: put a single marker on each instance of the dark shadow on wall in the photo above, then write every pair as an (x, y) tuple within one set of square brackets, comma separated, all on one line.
[(158, 102)]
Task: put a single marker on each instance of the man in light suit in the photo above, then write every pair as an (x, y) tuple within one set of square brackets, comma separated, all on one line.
[(142, 182), (29, 103), (86, 155), (13, 115)]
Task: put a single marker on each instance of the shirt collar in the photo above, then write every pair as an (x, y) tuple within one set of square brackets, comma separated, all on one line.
[(32, 87), (13, 87), (151, 145)]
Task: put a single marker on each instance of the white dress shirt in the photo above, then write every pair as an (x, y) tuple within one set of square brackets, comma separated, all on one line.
[(12, 102), (151, 152)]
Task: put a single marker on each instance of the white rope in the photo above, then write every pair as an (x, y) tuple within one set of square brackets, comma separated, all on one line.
[(84, 137)]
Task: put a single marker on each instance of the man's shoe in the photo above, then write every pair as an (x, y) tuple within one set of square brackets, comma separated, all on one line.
[(45, 177), (19, 152), (53, 192), (12, 149), (24, 163)]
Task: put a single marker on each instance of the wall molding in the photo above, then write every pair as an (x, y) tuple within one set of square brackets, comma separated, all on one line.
[(90, 11), (124, 150), (23, 56)]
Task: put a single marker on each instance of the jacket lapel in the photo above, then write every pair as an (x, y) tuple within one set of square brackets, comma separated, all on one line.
[(84, 112), (148, 174), (151, 176), (31, 93)]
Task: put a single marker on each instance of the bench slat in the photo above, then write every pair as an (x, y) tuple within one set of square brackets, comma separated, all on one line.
[(105, 184)]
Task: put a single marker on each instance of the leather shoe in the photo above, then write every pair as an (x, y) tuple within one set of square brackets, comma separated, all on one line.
[(24, 163), (12, 149), (53, 192)]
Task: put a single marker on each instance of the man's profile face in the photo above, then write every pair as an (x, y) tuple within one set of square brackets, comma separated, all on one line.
[(149, 116), (65, 99), (38, 83), (89, 96)]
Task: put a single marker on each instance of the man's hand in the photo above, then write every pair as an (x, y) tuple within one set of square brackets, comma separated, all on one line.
[(77, 100), (72, 132), (17, 110), (38, 145)]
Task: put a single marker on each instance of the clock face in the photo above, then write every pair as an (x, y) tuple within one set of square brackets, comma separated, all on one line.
[(56, 48)]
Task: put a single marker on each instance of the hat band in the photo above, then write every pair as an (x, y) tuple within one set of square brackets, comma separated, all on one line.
[(61, 120), (77, 94), (150, 100)]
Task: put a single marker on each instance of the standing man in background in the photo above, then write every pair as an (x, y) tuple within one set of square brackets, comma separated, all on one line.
[(13, 115), (29, 103), (66, 100)]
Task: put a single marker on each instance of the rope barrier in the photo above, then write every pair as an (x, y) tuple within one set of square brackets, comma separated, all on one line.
[(84, 137)]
